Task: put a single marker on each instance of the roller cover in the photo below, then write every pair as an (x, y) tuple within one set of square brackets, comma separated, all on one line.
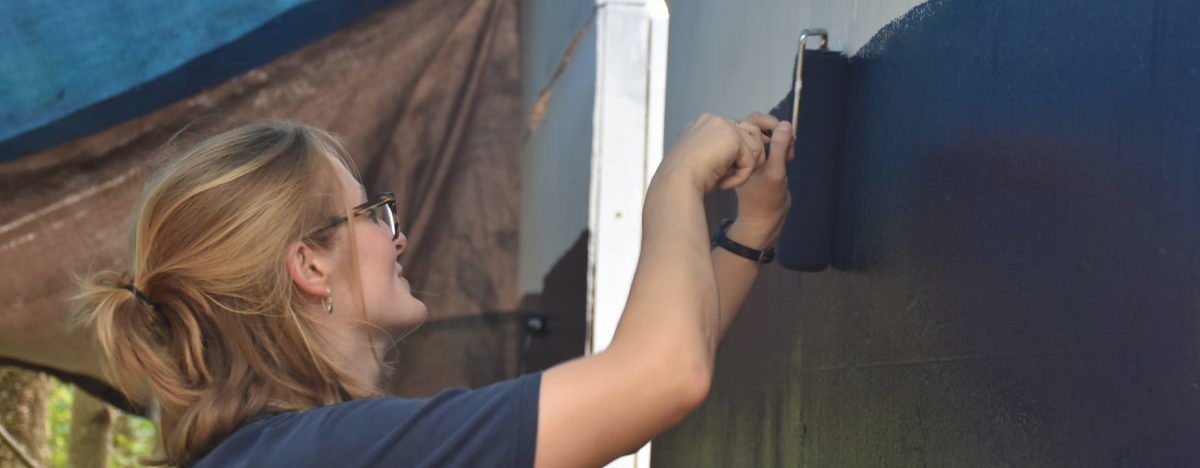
[(806, 243)]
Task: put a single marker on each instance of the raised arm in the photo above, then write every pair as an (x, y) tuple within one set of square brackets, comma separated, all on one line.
[(658, 367), (763, 203)]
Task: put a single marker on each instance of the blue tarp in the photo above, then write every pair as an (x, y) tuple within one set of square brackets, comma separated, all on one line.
[(60, 57)]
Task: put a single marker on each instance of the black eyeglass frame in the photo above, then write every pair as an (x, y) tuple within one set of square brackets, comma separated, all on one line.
[(384, 198)]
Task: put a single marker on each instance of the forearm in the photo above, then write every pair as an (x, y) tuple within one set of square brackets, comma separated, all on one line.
[(658, 367), (735, 275), (672, 311)]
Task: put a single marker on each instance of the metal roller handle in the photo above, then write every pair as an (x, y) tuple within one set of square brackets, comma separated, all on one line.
[(799, 77)]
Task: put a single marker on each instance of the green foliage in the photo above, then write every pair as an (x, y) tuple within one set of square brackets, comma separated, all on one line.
[(59, 413), (133, 438)]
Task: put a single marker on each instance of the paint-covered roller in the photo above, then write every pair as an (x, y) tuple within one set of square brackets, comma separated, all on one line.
[(816, 107)]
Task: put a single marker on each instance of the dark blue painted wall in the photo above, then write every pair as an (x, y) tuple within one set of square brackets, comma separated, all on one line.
[(1020, 205)]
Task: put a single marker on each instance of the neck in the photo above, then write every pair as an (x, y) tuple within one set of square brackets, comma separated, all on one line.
[(353, 352)]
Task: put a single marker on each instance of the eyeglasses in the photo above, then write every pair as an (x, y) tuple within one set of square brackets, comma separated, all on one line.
[(381, 211)]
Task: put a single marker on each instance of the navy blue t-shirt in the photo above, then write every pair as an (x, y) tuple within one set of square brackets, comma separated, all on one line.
[(491, 426)]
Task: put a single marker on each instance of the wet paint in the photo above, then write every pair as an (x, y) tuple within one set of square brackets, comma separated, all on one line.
[(1019, 204)]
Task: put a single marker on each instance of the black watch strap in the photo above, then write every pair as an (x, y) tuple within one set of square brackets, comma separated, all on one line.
[(720, 239)]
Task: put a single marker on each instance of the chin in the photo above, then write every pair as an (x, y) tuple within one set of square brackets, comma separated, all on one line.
[(412, 318), (422, 314)]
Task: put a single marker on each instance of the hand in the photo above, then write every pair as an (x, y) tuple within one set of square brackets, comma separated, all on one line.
[(715, 152), (763, 200)]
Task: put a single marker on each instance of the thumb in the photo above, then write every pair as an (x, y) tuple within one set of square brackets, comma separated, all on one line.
[(781, 142)]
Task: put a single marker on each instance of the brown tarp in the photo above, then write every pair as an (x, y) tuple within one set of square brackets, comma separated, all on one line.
[(427, 95)]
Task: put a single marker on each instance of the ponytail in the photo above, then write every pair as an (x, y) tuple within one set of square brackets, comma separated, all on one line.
[(128, 330)]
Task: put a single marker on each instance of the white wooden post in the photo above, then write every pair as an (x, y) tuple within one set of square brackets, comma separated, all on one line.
[(631, 67)]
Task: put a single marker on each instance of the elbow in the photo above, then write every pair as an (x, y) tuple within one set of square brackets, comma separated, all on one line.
[(690, 383), (677, 383), (695, 387)]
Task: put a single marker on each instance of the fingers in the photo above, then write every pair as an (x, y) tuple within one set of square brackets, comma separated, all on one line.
[(781, 145), (764, 123), (725, 153), (753, 143), (752, 137), (742, 170), (751, 155), (751, 133), (754, 132), (745, 161)]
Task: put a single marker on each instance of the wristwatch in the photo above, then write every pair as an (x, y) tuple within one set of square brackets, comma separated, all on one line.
[(722, 240)]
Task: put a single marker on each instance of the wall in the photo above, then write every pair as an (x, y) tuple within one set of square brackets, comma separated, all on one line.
[(1018, 215), (733, 58), (556, 163)]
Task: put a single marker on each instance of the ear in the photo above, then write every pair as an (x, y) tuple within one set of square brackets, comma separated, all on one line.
[(308, 268)]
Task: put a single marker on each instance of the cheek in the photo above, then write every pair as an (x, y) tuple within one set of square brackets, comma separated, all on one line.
[(376, 251), (383, 262)]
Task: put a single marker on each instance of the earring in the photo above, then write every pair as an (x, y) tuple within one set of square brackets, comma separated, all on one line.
[(328, 301)]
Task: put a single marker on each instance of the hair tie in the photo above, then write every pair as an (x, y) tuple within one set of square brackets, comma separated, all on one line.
[(140, 295)]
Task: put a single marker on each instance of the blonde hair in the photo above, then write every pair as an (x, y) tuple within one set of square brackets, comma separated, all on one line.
[(224, 340)]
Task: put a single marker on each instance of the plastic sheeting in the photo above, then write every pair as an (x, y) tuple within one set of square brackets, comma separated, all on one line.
[(56, 60), (426, 94)]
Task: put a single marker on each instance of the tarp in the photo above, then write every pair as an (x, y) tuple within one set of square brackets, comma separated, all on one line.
[(425, 92), (57, 60), (68, 72)]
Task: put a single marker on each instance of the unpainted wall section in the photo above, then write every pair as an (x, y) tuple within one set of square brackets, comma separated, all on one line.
[(733, 58), (556, 163)]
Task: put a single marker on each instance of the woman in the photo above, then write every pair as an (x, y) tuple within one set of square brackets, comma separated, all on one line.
[(264, 286)]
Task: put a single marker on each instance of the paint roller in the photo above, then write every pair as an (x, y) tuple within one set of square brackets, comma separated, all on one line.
[(816, 106)]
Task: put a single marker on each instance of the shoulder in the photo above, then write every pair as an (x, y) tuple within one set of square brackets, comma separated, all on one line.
[(494, 425)]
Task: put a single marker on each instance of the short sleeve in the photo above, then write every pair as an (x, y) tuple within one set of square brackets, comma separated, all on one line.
[(493, 426)]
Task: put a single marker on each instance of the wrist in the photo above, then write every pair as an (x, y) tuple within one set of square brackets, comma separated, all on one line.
[(667, 178), (757, 237), (722, 239)]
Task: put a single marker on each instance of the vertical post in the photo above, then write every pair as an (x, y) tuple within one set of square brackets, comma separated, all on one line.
[(631, 67)]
